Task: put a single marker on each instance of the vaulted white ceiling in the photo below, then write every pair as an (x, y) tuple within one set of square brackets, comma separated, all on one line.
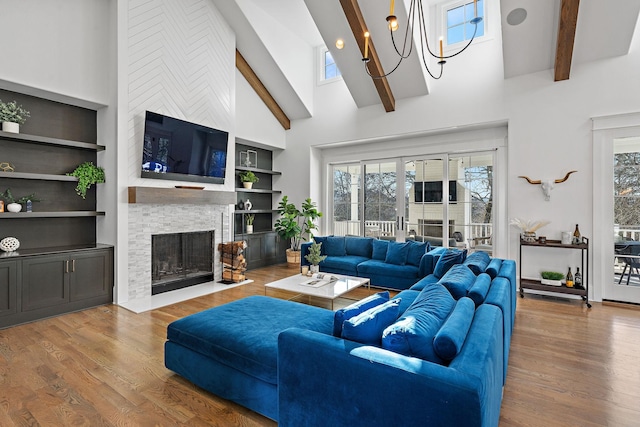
[(604, 29)]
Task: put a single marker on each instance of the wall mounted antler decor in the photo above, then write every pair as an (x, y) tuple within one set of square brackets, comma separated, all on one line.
[(547, 184)]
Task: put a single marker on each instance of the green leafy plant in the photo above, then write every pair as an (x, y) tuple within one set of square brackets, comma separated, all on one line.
[(250, 218), (248, 176), (12, 112), (294, 223), (552, 275), (8, 197), (87, 174), (314, 256)]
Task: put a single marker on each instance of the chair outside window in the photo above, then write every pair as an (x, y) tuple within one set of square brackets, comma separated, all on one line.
[(631, 262)]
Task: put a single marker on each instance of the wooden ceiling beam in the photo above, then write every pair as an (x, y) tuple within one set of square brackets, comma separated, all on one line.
[(254, 81), (566, 38), (356, 21)]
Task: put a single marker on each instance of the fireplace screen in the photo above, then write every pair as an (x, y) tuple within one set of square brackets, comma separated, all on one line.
[(179, 260)]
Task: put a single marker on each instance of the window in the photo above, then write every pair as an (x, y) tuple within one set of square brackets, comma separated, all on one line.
[(328, 68), (458, 18)]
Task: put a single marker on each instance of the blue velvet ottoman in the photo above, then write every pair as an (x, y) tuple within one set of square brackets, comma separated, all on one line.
[(232, 350)]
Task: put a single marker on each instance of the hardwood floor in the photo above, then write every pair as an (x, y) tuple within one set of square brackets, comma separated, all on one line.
[(569, 366)]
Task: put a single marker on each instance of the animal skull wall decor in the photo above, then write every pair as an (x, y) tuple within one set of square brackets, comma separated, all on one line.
[(548, 184)]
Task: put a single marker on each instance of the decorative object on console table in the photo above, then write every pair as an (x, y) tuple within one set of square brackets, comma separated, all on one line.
[(12, 116), (294, 225), (14, 204), (87, 174), (233, 262), (9, 244), (528, 228), (552, 278), (314, 256), (248, 178)]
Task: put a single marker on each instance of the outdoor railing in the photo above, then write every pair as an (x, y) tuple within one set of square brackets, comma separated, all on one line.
[(388, 228)]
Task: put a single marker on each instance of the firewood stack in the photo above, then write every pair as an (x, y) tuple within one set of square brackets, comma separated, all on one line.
[(233, 262)]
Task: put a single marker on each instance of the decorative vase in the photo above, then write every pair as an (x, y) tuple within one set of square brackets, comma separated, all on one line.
[(248, 205), (249, 228), (11, 127), (14, 207), (529, 236), (314, 269), (9, 244), (247, 185)]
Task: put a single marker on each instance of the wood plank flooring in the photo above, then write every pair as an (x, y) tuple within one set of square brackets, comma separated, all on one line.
[(569, 366)]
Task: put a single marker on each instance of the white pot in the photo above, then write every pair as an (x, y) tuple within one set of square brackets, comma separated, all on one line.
[(14, 207), (11, 127), (249, 229), (315, 269), (247, 185)]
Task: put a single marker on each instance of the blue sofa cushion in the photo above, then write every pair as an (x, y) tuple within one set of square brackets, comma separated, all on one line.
[(477, 262), (450, 338), (221, 333), (372, 268), (397, 253), (335, 246), (359, 246), (478, 291), (356, 308), (458, 280), (321, 240), (416, 250), (343, 263), (425, 281), (367, 327), (380, 249), (494, 267), (447, 260), (412, 334)]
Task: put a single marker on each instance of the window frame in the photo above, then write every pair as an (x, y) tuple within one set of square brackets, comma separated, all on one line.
[(321, 56), (444, 8)]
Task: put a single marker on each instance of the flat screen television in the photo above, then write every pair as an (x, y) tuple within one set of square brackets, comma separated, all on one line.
[(431, 192), (177, 150)]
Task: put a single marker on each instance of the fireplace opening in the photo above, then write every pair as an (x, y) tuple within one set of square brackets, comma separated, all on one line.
[(179, 260)]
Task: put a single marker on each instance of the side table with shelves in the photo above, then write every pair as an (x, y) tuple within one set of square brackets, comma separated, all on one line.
[(537, 285)]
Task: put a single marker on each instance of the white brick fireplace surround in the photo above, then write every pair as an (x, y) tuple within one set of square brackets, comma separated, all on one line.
[(168, 215)]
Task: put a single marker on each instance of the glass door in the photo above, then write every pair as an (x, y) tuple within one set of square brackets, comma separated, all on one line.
[(347, 207), (380, 201)]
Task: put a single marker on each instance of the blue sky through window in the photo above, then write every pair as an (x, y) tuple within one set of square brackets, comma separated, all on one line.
[(459, 28), (330, 68)]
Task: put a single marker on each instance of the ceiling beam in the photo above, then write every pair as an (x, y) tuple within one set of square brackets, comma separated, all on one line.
[(566, 37), (358, 27), (243, 66)]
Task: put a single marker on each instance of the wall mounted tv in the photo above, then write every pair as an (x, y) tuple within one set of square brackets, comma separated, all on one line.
[(431, 192), (177, 150)]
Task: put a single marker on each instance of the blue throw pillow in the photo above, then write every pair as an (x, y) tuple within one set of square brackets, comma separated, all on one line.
[(367, 327), (450, 338), (494, 267), (458, 280), (321, 240), (478, 262), (478, 292), (360, 246), (380, 249), (416, 250), (335, 246), (412, 334), (397, 253), (447, 260), (356, 308)]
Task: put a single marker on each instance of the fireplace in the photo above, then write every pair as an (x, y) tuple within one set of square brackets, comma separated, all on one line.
[(179, 260)]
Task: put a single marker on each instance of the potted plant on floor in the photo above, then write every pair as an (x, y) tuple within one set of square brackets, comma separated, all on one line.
[(314, 256), (87, 174), (12, 116), (248, 178), (296, 224)]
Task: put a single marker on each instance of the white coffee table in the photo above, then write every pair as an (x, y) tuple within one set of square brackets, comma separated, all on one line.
[(303, 285)]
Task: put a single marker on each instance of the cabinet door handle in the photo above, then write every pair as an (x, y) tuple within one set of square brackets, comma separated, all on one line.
[(73, 266), (66, 266)]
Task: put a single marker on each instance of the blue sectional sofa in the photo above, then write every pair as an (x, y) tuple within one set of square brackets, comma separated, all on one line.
[(433, 355), (387, 264)]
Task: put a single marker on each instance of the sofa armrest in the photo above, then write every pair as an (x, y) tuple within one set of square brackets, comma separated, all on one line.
[(304, 250), (427, 264), (322, 378)]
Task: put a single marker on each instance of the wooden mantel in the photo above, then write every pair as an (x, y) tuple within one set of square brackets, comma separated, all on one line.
[(163, 195)]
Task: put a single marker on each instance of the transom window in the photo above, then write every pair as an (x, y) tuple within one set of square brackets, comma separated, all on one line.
[(458, 18), (328, 68)]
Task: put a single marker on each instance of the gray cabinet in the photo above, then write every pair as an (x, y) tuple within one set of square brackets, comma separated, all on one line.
[(264, 249), (44, 282), (8, 287)]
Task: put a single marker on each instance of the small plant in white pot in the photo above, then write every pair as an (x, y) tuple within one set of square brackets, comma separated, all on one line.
[(314, 257), (552, 278), (14, 204), (248, 178), (12, 116), (250, 218)]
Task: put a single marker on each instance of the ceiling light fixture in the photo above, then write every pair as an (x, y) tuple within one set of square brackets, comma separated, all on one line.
[(339, 43), (407, 47)]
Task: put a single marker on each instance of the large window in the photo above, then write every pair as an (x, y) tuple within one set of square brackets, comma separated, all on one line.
[(458, 16)]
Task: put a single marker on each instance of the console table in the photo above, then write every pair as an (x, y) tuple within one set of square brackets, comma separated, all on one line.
[(537, 284)]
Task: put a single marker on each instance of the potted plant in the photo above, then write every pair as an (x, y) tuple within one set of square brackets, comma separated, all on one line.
[(314, 256), (12, 116), (250, 218), (552, 278), (14, 204), (248, 178), (296, 224), (87, 174)]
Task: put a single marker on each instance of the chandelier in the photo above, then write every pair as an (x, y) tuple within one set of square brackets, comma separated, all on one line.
[(416, 12)]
